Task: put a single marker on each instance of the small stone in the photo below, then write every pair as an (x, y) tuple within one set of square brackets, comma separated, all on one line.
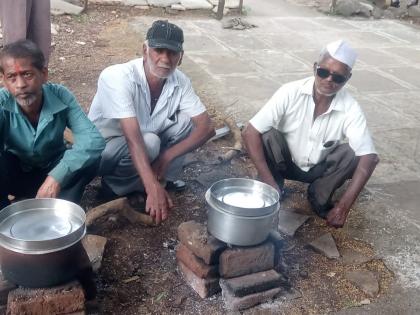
[(331, 274), (135, 2), (290, 221), (203, 287), (365, 281), (59, 7), (364, 302), (94, 246), (178, 7), (54, 29), (196, 4), (239, 261), (291, 294), (304, 274), (326, 246), (142, 7), (162, 3)]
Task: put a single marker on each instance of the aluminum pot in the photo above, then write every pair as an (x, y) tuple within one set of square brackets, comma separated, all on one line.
[(241, 211), (40, 242)]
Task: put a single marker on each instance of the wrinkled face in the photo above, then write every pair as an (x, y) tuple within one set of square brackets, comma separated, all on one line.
[(161, 62), (23, 80), (330, 76)]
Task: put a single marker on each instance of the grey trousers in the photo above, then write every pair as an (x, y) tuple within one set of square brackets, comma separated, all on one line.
[(27, 19), (117, 168), (324, 178)]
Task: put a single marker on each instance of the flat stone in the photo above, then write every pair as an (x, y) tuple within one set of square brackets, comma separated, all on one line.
[(65, 299), (252, 283), (290, 221), (414, 11), (364, 280), (59, 7), (196, 4), (196, 264), (162, 3), (235, 303), (352, 257), (94, 246), (239, 261), (347, 7), (203, 287), (326, 246), (195, 237)]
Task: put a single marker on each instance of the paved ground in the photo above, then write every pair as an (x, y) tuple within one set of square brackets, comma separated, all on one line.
[(242, 69)]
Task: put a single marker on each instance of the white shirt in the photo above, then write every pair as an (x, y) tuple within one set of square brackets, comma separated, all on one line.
[(123, 92), (290, 110)]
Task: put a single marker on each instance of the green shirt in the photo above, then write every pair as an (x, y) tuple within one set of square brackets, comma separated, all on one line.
[(43, 147)]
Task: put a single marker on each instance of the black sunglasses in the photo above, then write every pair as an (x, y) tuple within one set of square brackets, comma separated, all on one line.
[(324, 73)]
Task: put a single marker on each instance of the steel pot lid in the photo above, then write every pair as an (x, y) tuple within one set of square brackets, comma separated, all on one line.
[(38, 226), (244, 197)]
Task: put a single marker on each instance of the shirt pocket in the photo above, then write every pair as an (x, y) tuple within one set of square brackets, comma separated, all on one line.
[(327, 147)]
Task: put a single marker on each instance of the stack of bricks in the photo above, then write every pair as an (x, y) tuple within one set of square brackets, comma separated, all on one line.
[(198, 257), (245, 275)]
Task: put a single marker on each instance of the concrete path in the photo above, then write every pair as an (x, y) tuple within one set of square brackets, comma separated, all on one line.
[(240, 70)]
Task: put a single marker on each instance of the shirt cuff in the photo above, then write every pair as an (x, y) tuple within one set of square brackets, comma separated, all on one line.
[(60, 173)]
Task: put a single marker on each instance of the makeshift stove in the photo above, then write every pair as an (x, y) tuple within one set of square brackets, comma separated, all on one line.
[(246, 276)]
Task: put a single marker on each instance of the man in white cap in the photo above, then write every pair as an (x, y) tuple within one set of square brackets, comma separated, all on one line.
[(313, 131)]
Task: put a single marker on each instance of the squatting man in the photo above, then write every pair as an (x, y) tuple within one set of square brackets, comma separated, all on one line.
[(313, 131), (150, 117)]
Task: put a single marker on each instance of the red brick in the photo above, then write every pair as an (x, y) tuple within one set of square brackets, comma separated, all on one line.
[(234, 303), (252, 283), (196, 264), (239, 261), (194, 236), (65, 299), (204, 287)]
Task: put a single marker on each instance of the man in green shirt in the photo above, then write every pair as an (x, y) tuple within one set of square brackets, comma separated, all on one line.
[(34, 160)]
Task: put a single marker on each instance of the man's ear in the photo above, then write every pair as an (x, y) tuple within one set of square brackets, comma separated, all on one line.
[(180, 59), (144, 49), (44, 72)]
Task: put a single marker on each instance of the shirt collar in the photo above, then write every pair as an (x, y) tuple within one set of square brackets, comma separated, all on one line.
[(51, 103), (337, 102)]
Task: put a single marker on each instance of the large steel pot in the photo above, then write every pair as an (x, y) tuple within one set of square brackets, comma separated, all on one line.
[(40, 242), (241, 211)]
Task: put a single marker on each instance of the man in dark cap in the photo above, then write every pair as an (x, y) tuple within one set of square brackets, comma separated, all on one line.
[(150, 116)]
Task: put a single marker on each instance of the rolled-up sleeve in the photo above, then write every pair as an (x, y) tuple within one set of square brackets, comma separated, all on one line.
[(88, 142)]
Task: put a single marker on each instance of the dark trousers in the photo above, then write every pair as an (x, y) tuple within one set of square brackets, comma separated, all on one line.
[(324, 178), (25, 184)]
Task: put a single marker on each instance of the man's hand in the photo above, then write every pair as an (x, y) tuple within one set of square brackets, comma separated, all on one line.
[(158, 203), (50, 188), (337, 216)]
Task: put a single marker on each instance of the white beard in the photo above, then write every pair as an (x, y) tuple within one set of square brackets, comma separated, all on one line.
[(26, 102)]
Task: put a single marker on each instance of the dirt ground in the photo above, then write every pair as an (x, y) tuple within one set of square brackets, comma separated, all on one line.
[(138, 273)]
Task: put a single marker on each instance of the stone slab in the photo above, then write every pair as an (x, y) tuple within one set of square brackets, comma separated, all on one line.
[(94, 246), (252, 283), (196, 4), (234, 303), (326, 246), (239, 261), (64, 299), (195, 237), (290, 221), (352, 257), (365, 281), (203, 287), (196, 264), (135, 2), (162, 3), (59, 7)]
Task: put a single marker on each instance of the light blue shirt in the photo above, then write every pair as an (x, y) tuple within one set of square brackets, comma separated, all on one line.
[(43, 147)]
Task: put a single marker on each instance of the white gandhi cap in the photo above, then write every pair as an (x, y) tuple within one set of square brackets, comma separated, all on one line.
[(341, 51)]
